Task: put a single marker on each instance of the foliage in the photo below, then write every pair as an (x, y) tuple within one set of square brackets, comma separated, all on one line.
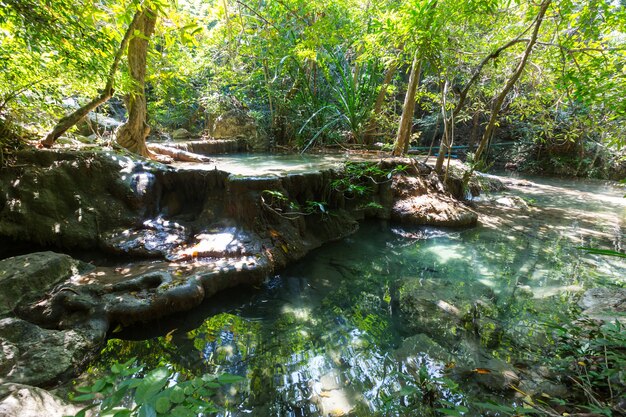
[(312, 72), (605, 252), (360, 177), (594, 358), (132, 391)]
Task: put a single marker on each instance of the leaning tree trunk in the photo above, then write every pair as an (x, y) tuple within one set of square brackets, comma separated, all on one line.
[(71, 119), (132, 134), (406, 120), (497, 105)]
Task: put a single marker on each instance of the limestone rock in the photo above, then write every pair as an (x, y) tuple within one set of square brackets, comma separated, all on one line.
[(424, 201), (154, 239), (28, 277), (237, 123), (36, 356), (19, 400), (513, 202), (66, 198), (432, 210), (181, 134), (605, 304), (97, 123)]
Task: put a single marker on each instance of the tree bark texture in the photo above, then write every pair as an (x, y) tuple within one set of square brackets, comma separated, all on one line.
[(132, 134), (406, 120), (71, 119), (497, 105)]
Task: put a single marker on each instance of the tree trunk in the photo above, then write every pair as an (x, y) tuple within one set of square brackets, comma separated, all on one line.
[(497, 105), (71, 119), (444, 147), (406, 120), (132, 134), (372, 125)]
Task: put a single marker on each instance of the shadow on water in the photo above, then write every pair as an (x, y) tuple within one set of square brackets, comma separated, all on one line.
[(400, 321)]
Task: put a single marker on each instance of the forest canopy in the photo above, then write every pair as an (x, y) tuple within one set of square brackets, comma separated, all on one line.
[(326, 72)]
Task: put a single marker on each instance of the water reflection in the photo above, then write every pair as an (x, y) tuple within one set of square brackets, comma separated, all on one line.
[(391, 320)]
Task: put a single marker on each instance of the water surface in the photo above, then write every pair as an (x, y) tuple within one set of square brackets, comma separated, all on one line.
[(397, 321)]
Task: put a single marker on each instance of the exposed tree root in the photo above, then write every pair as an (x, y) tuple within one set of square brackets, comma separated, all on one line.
[(177, 154)]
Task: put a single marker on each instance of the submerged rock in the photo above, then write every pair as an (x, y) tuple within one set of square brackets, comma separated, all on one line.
[(496, 375), (605, 304), (422, 344)]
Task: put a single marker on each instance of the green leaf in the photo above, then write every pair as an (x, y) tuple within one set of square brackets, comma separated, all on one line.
[(177, 395), (122, 413), (605, 252), (85, 397), (98, 386), (180, 411), (162, 405), (151, 385), (229, 378), (146, 410), (449, 412)]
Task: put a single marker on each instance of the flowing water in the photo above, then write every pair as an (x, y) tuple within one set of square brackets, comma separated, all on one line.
[(399, 321)]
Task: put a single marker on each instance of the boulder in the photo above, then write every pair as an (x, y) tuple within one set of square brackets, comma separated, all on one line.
[(237, 123), (514, 202), (36, 356), (17, 400), (27, 278), (181, 134)]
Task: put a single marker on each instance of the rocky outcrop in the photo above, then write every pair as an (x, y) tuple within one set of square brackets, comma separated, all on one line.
[(422, 201), (238, 123), (25, 278), (36, 356)]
